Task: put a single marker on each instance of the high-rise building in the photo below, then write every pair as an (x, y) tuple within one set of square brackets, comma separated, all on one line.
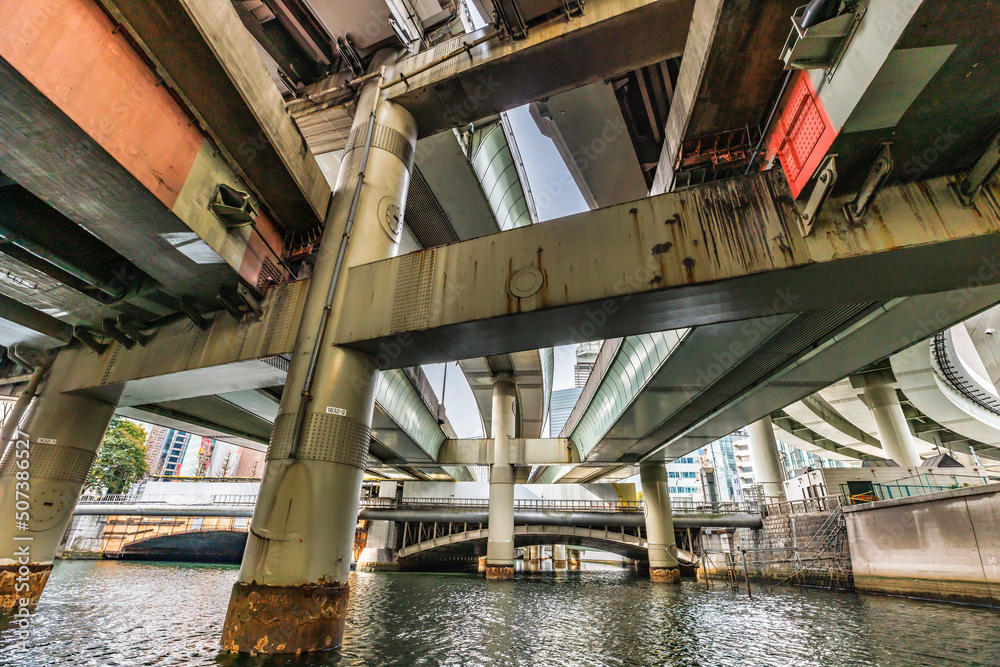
[(563, 402), (684, 477), (744, 466), (172, 453), (720, 458), (154, 446), (586, 356)]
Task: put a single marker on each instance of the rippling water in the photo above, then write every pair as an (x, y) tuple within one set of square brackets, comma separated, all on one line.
[(119, 613)]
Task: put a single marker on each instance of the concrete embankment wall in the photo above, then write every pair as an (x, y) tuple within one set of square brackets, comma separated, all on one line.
[(943, 546)]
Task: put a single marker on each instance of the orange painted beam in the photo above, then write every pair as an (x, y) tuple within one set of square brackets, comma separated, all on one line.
[(71, 51)]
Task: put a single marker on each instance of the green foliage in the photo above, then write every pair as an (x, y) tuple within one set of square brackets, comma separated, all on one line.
[(121, 459)]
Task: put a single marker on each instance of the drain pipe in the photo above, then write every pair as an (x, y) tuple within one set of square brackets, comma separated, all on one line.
[(21, 406), (465, 48), (337, 267), (770, 121)]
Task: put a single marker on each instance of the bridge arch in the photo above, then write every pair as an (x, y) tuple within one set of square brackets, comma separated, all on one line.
[(472, 543)]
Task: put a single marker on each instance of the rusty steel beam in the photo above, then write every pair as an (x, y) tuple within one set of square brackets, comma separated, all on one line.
[(612, 37), (723, 252), (210, 62)]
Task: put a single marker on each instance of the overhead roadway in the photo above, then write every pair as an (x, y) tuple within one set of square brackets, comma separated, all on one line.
[(611, 37), (723, 252), (701, 265)]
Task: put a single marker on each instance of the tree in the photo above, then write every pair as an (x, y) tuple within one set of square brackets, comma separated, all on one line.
[(121, 459), (227, 465)]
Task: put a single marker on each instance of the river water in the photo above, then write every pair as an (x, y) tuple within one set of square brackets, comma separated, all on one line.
[(122, 613)]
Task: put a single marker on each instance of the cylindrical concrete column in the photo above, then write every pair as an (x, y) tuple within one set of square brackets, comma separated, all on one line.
[(893, 431), (765, 459), (500, 544), (291, 595), (659, 523), (41, 477), (559, 560)]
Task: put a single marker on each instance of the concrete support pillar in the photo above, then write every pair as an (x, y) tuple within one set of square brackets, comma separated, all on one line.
[(559, 560), (893, 431), (379, 554), (659, 523), (765, 459), (500, 545), (291, 595), (41, 475), (574, 556), (481, 567)]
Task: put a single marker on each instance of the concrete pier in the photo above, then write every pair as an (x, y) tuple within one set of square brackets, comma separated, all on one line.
[(291, 595), (559, 559), (663, 564), (893, 431), (41, 477), (764, 457), (500, 547)]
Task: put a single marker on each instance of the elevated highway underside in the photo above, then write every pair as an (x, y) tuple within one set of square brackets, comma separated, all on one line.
[(172, 248)]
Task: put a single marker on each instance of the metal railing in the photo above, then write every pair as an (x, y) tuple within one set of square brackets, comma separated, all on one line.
[(168, 499), (914, 485), (957, 379), (805, 505), (228, 480), (608, 506), (537, 505)]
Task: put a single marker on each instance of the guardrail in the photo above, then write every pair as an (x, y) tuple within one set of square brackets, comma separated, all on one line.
[(915, 485), (805, 505), (539, 505), (609, 506), (168, 499)]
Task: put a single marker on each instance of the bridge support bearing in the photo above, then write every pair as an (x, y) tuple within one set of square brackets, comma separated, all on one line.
[(659, 523), (291, 595), (764, 457), (41, 475), (500, 544), (559, 560)]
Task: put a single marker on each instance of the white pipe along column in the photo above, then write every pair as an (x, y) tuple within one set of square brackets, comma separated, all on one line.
[(292, 591), (500, 543), (893, 431), (765, 458), (660, 538), (41, 476)]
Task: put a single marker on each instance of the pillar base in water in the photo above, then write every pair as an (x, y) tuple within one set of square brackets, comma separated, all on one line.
[(285, 619), (377, 560), (481, 565), (664, 575), (497, 572), (11, 578), (560, 564)]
